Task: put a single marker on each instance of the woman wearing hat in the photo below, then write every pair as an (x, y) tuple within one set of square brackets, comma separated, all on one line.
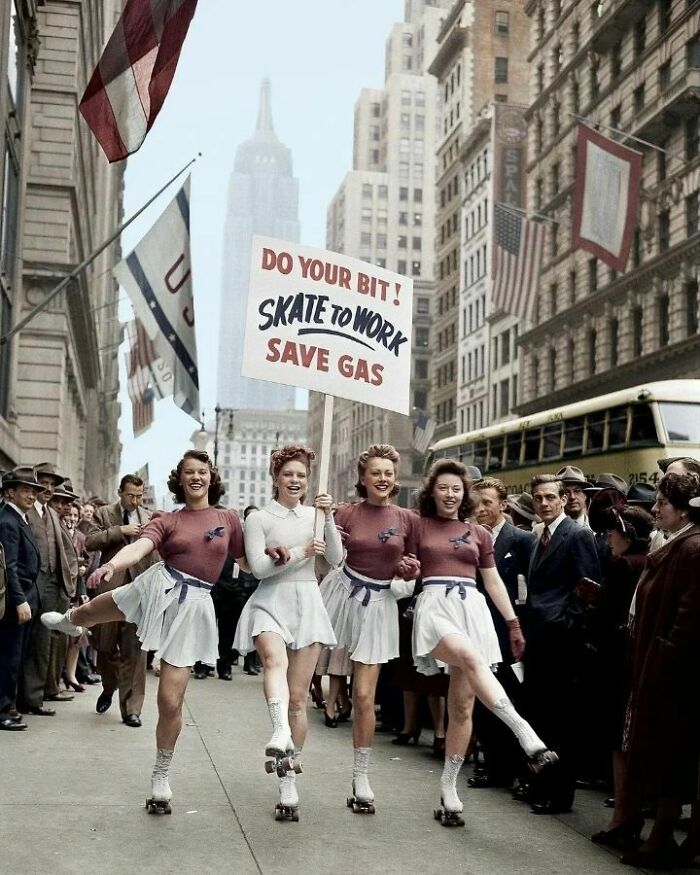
[(170, 603)]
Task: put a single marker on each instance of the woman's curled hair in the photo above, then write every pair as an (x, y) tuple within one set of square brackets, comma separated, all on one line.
[(678, 489), (376, 451), (425, 501), (216, 487), (289, 453)]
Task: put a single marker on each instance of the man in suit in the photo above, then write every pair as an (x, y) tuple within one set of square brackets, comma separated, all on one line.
[(564, 554), (56, 583), (120, 660), (512, 548), (22, 562)]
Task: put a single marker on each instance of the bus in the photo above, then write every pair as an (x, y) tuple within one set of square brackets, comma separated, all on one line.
[(624, 432)]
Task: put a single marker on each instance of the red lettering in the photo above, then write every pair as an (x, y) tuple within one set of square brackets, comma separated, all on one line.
[(274, 353)]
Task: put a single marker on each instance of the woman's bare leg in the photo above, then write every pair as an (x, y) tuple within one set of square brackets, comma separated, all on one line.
[(102, 609), (171, 694), (365, 679), (302, 664), (273, 655)]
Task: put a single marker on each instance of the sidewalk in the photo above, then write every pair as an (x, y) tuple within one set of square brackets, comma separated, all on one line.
[(73, 788)]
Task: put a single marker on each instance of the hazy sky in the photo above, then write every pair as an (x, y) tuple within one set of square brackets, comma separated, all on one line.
[(318, 54)]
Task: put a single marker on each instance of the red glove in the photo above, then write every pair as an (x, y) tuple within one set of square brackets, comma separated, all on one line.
[(279, 555), (408, 567), (517, 639)]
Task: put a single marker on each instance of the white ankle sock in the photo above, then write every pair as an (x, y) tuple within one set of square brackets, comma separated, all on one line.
[(528, 739), (163, 759), (448, 782)]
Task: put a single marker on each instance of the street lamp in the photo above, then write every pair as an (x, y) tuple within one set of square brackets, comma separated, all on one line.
[(217, 411)]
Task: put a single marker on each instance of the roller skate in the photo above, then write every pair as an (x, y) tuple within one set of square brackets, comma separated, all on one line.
[(542, 760), (61, 623), (280, 747), (362, 799), (159, 801), (448, 817), (288, 806)]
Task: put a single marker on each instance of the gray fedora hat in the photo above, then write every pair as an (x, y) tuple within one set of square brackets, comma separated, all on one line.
[(23, 475), (641, 493), (46, 469), (65, 490), (523, 504), (608, 481)]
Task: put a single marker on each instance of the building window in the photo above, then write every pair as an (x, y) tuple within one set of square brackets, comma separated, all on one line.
[(382, 192), (403, 241), (592, 344), (692, 137), (593, 82), (505, 347), (422, 337), (665, 76), (613, 332), (616, 116), (691, 307), (692, 53), (401, 266), (640, 37), (501, 71), (636, 248), (421, 369), (616, 59), (663, 317), (502, 23), (403, 193), (415, 268), (553, 295), (664, 226), (639, 98), (592, 275), (665, 15), (418, 195), (555, 178), (572, 286), (423, 306), (691, 214), (575, 96), (637, 328), (576, 36), (540, 79)]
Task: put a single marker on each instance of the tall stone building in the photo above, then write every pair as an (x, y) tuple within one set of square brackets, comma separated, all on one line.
[(480, 58), (634, 67), (263, 199), (60, 200), (383, 213)]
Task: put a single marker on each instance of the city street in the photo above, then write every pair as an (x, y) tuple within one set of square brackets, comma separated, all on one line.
[(74, 786)]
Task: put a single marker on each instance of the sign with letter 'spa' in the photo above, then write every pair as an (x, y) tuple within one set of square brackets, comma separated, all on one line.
[(324, 321)]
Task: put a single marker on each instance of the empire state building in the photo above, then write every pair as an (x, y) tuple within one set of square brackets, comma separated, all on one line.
[(263, 198)]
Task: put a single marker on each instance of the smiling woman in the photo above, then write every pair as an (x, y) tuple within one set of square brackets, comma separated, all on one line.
[(170, 603)]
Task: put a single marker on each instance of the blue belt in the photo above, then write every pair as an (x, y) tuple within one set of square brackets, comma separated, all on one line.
[(358, 584), (185, 583), (452, 584)]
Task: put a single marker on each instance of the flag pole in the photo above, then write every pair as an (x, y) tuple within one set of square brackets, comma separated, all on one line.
[(90, 258), (324, 460), (594, 124)]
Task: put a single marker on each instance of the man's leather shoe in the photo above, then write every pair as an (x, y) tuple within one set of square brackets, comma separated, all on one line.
[(60, 697), (522, 792), (39, 711), (13, 714), (548, 806), (10, 725), (225, 675), (91, 679), (132, 720), (480, 779), (250, 670), (103, 703)]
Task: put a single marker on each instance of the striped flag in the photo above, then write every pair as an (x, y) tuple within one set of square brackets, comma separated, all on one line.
[(515, 265), (148, 379), (131, 81), (157, 276), (423, 430)]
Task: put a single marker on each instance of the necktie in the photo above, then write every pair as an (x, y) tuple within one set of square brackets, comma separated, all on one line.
[(43, 511), (126, 517), (544, 539)]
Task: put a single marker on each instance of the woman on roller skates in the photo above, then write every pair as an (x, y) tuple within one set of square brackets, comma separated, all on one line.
[(284, 619), (170, 603), (359, 600), (453, 627)]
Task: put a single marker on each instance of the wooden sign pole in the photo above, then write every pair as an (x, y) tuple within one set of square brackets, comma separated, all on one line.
[(324, 460)]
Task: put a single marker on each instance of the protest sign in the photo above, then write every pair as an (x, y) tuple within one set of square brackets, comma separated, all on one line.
[(324, 321)]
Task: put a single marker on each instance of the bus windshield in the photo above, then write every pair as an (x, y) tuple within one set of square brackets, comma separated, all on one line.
[(682, 421)]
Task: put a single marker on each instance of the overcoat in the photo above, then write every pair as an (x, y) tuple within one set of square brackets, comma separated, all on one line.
[(663, 744)]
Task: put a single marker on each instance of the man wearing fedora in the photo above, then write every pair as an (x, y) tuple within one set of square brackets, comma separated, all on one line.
[(120, 660), (56, 582), (575, 482), (22, 561)]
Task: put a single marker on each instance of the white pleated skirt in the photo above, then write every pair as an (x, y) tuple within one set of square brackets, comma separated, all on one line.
[(181, 632), (334, 660), (366, 623), (439, 613), (292, 608)]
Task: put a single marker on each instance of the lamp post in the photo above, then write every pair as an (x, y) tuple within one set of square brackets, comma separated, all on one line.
[(217, 411)]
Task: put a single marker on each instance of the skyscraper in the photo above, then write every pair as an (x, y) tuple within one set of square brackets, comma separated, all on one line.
[(263, 198)]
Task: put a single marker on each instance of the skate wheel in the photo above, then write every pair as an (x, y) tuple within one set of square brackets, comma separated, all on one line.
[(295, 816), (270, 767), (296, 766), (437, 814), (371, 809), (350, 802)]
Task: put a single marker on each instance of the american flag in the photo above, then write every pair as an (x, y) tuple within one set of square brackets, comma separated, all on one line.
[(517, 256), (131, 81), (423, 430), (146, 377)]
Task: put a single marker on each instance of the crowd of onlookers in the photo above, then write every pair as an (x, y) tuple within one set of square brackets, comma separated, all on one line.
[(610, 609)]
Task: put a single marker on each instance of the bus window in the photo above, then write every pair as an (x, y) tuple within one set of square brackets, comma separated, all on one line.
[(617, 426), (596, 429), (573, 436), (495, 454), (682, 421), (532, 445), (466, 454), (551, 442), (480, 455), (451, 452), (643, 430), (513, 449)]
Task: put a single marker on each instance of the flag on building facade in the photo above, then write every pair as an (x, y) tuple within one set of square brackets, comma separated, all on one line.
[(158, 278), (515, 261), (423, 431), (606, 194), (131, 81), (147, 379)]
